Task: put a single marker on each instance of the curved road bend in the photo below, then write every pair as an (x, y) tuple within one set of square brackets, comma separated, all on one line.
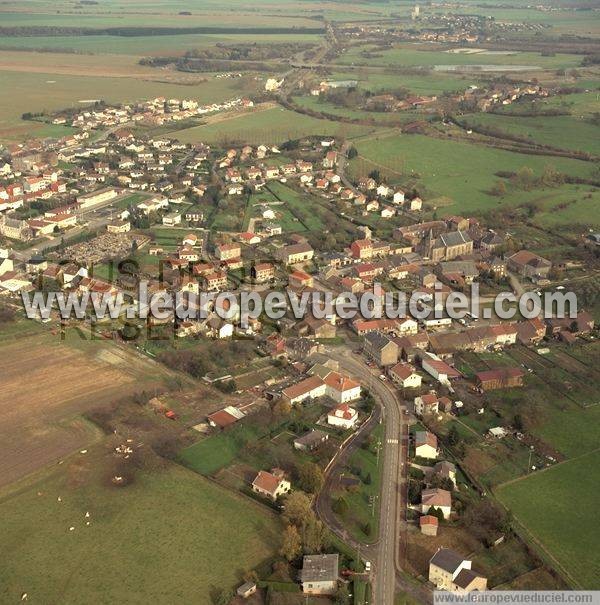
[(383, 554)]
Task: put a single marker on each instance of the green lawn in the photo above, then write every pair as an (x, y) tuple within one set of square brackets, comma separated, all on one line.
[(578, 104), (383, 118), (168, 537), (300, 208), (559, 507)]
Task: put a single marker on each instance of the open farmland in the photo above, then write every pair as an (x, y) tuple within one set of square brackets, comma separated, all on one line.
[(40, 415), (51, 91), (167, 536), (152, 46), (428, 83), (558, 517), (566, 132), (409, 55), (457, 176), (272, 125)]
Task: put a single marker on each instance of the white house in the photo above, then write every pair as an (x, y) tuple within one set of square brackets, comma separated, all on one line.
[(426, 445), (398, 197), (426, 404), (343, 416), (272, 485), (341, 388), (405, 376), (440, 499), (449, 571), (309, 388)]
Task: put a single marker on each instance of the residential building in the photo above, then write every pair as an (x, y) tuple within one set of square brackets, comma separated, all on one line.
[(429, 525), (343, 416), (449, 571), (296, 253), (437, 498), (311, 440), (319, 575), (382, 349), (271, 485), (501, 378), (404, 376), (426, 445), (426, 404)]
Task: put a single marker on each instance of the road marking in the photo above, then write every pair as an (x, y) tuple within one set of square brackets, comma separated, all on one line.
[(393, 441)]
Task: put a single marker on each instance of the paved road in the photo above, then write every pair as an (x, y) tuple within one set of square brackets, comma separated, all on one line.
[(384, 568), (323, 502)]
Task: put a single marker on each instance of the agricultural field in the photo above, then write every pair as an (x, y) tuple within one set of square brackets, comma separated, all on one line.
[(272, 125), (383, 118), (429, 83), (580, 105), (149, 538), (65, 378), (410, 55), (558, 516), (172, 45), (456, 176), (41, 92), (565, 132), (552, 404)]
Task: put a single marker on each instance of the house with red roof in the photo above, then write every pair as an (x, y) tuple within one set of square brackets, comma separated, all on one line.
[(271, 485), (427, 404), (343, 416), (405, 376)]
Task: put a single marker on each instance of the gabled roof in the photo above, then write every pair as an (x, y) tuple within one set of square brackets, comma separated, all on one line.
[(436, 497), (267, 482), (340, 383), (447, 559), (403, 371), (425, 438), (301, 388)]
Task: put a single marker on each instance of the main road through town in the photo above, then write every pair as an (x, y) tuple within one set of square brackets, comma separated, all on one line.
[(384, 563)]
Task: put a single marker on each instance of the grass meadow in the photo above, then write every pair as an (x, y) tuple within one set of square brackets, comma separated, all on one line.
[(273, 125), (456, 175), (561, 515), (168, 537)]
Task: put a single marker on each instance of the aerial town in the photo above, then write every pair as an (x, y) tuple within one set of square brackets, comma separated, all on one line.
[(280, 458)]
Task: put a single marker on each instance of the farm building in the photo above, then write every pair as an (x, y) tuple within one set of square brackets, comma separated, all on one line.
[(502, 378)]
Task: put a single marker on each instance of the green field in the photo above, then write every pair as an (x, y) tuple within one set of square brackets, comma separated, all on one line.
[(564, 132), (579, 104), (170, 45), (409, 55), (457, 176), (558, 507), (268, 126), (429, 83), (167, 537), (383, 118), (299, 206), (50, 92)]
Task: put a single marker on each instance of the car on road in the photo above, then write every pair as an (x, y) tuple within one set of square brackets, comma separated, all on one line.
[(367, 566), (382, 377)]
